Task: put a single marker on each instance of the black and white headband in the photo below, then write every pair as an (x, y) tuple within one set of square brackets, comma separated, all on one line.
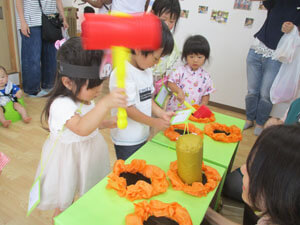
[(87, 72)]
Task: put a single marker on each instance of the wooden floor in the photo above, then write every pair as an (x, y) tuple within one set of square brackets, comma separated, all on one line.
[(23, 144)]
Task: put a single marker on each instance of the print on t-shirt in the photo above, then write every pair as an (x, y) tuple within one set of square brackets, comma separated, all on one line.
[(145, 94)]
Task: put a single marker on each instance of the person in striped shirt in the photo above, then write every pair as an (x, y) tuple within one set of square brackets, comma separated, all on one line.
[(38, 56)]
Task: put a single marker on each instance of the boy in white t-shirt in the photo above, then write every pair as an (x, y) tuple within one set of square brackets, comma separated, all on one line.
[(139, 89)]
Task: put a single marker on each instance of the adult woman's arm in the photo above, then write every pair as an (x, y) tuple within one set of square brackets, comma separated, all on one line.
[(24, 26), (60, 9)]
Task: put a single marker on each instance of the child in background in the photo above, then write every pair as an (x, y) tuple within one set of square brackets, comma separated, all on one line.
[(191, 82), (88, 9), (10, 92), (75, 156), (169, 12), (139, 89)]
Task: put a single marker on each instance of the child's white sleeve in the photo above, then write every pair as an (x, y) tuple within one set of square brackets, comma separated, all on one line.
[(61, 110)]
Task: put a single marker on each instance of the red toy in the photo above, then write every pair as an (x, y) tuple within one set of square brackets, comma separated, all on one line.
[(138, 31), (202, 112)]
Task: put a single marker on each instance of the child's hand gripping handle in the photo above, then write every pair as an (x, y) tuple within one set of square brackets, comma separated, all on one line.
[(188, 105), (120, 56)]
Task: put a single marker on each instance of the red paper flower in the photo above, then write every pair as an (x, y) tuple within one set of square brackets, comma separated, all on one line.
[(201, 114)]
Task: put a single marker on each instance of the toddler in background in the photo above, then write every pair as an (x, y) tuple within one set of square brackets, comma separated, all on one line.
[(169, 12), (10, 92), (139, 89), (191, 82), (75, 155)]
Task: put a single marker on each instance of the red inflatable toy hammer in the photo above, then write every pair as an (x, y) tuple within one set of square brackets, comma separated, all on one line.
[(119, 32)]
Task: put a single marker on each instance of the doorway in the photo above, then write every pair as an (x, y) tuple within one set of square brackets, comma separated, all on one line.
[(8, 43)]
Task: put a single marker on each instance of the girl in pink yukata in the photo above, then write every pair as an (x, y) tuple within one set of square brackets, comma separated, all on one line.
[(191, 82)]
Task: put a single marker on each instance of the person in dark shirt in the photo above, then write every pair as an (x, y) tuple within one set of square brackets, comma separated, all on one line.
[(281, 18)]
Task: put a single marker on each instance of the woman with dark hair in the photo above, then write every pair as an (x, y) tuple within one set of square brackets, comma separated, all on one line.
[(271, 183)]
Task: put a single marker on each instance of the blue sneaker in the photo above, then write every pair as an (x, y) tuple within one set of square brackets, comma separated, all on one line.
[(258, 130), (248, 125), (43, 92)]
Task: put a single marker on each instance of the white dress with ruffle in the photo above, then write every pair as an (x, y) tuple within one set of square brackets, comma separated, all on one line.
[(72, 163)]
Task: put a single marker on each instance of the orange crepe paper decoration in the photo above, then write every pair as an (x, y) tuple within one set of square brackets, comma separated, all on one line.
[(142, 189), (197, 188), (202, 120), (143, 210), (190, 128), (234, 136)]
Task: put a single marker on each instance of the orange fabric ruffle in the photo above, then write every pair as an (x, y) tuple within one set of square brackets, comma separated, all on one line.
[(234, 136), (191, 128), (202, 120), (142, 189), (197, 188), (143, 210)]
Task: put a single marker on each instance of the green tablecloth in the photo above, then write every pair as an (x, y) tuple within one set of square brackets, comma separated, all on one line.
[(216, 152), (102, 206)]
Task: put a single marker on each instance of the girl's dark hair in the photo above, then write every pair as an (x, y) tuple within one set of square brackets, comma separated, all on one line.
[(4, 70), (167, 6), (273, 166), (196, 44), (167, 42), (88, 9), (71, 52)]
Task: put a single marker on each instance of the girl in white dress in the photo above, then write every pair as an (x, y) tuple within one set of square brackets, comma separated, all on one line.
[(75, 155)]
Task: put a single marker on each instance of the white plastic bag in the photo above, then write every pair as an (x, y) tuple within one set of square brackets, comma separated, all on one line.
[(285, 85), (286, 47)]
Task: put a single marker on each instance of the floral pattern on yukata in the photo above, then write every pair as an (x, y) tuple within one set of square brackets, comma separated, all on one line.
[(194, 84)]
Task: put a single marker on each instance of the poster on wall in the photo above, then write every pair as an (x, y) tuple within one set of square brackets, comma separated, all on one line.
[(202, 9), (249, 22), (242, 4), (184, 13), (219, 16), (261, 6)]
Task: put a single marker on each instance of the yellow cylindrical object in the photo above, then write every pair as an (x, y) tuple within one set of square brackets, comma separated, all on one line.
[(120, 56), (189, 149)]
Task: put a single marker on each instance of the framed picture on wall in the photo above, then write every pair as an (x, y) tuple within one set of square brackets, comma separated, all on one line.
[(219, 16), (242, 4), (261, 6), (249, 22), (202, 9), (184, 13)]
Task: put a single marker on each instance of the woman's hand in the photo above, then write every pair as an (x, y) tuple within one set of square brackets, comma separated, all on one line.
[(287, 27), (25, 30), (65, 24)]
